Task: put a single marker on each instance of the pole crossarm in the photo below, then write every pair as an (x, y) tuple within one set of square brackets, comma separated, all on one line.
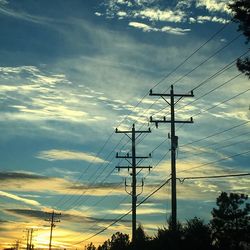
[(169, 95), (130, 131), (130, 156), (130, 167), (169, 121)]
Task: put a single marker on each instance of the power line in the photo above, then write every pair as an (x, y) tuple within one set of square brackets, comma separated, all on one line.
[(214, 134), (212, 90), (211, 177), (193, 53), (213, 76), (220, 147), (212, 162), (164, 78), (207, 59), (218, 104), (183, 62), (155, 191), (118, 218)]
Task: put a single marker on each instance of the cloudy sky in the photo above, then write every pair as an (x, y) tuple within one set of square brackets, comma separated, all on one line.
[(73, 71)]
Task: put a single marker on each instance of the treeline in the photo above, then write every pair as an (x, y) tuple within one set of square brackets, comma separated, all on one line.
[(229, 229)]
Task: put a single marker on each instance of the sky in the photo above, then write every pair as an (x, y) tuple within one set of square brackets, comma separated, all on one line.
[(73, 71)]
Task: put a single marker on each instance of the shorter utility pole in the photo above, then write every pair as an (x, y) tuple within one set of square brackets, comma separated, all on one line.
[(30, 231), (28, 238), (52, 221), (31, 237), (134, 166), (17, 244)]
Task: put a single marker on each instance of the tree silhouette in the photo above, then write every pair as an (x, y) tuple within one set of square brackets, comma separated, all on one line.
[(169, 239), (197, 235), (142, 240), (119, 241), (104, 246), (241, 12), (90, 246), (231, 222)]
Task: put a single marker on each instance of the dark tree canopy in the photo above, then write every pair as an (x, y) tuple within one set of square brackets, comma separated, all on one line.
[(241, 12), (90, 246), (197, 234), (231, 222), (229, 229)]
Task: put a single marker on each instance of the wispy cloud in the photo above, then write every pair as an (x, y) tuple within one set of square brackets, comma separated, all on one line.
[(55, 155), (18, 198), (66, 216), (20, 175), (166, 29)]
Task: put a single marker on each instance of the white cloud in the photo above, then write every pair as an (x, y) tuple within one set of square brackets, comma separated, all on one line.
[(7, 70), (162, 15), (121, 14), (219, 20), (166, 29), (142, 26), (153, 11), (55, 154), (98, 14), (203, 19), (18, 198), (214, 5), (184, 4), (175, 31)]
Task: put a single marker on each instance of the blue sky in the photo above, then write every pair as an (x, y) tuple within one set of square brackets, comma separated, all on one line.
[(73, 71)]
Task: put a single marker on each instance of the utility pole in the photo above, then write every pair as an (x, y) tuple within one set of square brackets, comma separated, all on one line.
[(28, 238), (174, 144), (52, 225), (31, 236), (17, 244), (134, 167)]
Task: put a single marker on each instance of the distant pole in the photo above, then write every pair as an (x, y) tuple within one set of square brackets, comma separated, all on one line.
[(28, 236), (31, 235), (134, 167), (17, 244), (52, 225), (174, 145)]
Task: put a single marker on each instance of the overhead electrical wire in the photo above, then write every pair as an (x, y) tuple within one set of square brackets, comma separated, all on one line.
[(215, 134), (164, 78), (159, 83), (182, 179), (204, 110), (216, 161), (152, 193)]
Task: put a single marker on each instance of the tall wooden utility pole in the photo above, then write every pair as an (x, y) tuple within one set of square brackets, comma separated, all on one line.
[(174, 145)]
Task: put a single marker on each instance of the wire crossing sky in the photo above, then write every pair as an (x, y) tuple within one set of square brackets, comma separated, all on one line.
[(73, 71)]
